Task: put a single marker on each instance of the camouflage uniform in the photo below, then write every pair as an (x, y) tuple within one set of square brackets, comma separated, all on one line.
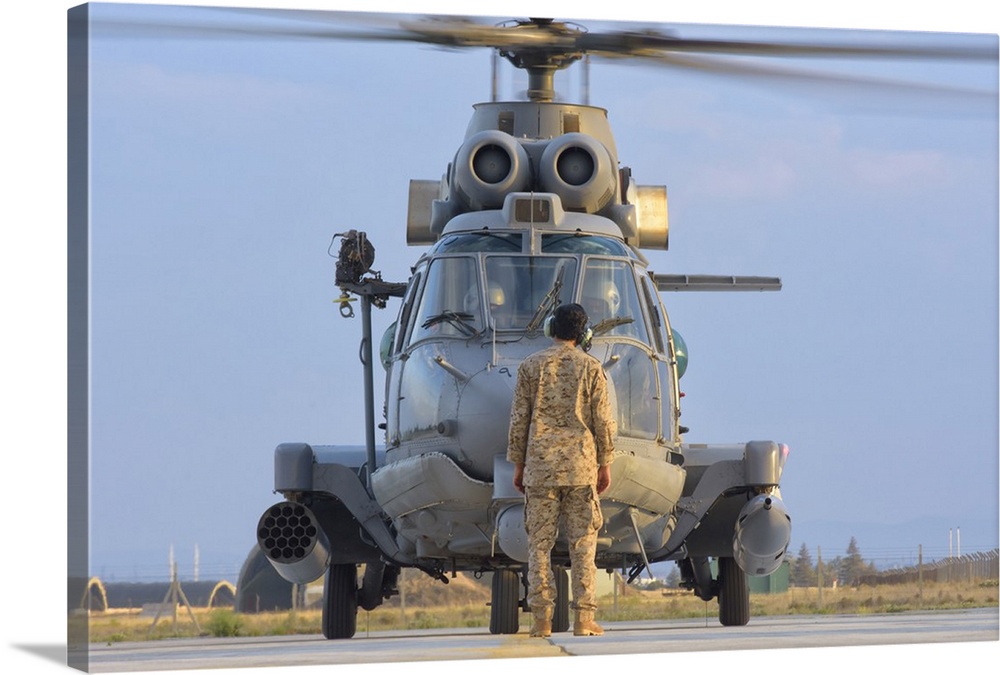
[(561, 429)]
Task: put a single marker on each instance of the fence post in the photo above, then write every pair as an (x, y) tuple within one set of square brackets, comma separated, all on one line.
[(920, 573), (819, 574)]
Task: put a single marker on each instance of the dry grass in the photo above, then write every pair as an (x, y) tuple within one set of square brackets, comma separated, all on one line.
[(128, 625), (885, 599)]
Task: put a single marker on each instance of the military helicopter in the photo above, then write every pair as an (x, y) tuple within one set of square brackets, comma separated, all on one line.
[(534, 209)]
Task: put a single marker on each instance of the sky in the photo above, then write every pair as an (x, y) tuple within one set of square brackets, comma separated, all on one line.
[(222, 170)]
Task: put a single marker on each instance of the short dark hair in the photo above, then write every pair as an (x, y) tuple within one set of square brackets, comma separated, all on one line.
[(569, 322)]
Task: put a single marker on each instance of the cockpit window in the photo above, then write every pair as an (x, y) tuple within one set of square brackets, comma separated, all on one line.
[(521, 289), (611, 299), (483, 240), (575, 242), (659, 327), (406, 311), (450, 304)]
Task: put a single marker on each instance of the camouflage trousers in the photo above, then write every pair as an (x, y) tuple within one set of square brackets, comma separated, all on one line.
[(578, 510)]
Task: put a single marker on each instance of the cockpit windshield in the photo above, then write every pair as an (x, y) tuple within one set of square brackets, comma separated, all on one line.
[(482, 240), (577, 243), (518, 286), (519, 291), (449, 306), (612, 302)]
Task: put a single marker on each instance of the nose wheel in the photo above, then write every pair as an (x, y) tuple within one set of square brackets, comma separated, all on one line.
[(340, 602), (505, 601), (509, 597), (734, 594), (560, 615)]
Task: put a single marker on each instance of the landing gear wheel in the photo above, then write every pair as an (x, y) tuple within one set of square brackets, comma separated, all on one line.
[(505, 601), (372, 583), (340, 602), (560, 615), (734, 594)]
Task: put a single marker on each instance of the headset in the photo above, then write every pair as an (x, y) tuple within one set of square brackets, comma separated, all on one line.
[(583, 340)]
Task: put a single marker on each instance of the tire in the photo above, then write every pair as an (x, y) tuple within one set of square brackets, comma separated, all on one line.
[(560, 614), (734, 594), (370, 593), (340, 602), (506, 595)]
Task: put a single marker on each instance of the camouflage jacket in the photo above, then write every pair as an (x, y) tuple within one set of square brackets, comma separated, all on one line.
[(561, 427)]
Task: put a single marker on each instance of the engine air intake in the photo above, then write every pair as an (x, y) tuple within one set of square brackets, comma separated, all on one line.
[(579, 169), (489, 165)]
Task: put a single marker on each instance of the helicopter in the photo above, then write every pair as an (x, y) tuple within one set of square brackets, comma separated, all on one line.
[(534, 209)]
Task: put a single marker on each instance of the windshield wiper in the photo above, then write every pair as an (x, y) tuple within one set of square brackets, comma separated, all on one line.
[(550, 300), (607, 324), (458, 320)]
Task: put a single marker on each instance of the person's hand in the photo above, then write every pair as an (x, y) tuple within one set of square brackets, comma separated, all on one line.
[(603, 478), (519, 478)]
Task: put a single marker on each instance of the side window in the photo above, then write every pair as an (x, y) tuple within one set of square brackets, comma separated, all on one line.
[(611, 299), (658, 325), (450, 301), (405, 313)]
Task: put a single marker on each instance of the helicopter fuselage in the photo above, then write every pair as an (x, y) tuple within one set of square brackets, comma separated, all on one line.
[(472, 313), (533, 211)]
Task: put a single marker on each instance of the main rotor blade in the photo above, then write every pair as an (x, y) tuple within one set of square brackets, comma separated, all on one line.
[(206, 27), (652, 43), (547, 42), (223, 22), (542, 34), (857, 84)]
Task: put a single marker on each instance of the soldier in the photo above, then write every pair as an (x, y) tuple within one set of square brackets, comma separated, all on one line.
[(561, 443)]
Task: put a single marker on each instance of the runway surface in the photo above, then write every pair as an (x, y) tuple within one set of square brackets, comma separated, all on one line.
[(624, 638)]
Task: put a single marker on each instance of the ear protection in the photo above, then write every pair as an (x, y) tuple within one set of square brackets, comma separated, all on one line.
[(583, 339)]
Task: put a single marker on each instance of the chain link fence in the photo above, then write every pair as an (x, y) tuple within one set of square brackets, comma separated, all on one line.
[(970, 567)]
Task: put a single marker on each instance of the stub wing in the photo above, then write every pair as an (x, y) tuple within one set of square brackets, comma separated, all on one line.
[(715, 282)]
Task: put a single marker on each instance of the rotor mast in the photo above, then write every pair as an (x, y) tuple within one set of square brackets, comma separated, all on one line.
[(541, 68), (541, 61)]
